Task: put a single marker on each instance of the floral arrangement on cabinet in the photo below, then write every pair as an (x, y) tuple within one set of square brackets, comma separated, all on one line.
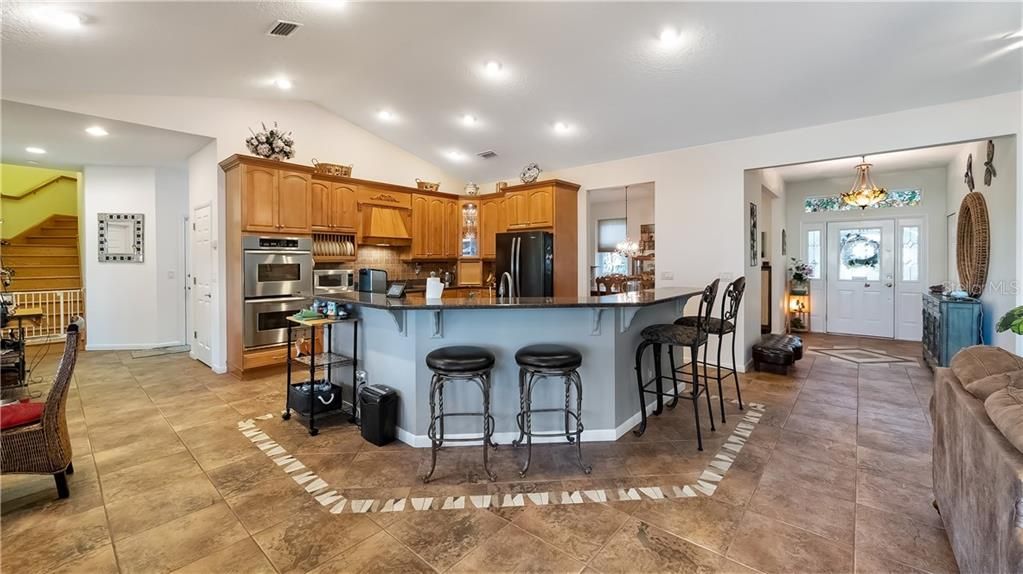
[(800, 273), (271, 143)]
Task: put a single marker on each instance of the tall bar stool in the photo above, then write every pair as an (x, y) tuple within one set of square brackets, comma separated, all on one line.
[(722, 326), (672, 335), (459, 363), (538, 362)]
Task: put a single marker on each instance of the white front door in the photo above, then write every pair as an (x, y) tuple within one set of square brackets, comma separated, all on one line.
[(202, 296), (861, 268)]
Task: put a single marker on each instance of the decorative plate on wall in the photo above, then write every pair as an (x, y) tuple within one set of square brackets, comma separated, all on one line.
[(973, 244)]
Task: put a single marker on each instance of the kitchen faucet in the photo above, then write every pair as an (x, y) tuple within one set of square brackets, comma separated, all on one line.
[(511, 287)]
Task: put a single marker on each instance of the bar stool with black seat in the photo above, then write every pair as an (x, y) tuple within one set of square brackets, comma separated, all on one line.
[(538, 362), (459, 363), (720, 327), (672, 335)]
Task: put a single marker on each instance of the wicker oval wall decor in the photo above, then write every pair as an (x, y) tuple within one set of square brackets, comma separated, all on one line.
[(973, 244)]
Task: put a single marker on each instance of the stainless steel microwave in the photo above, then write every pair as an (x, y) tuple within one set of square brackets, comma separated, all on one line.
[(333, 280)]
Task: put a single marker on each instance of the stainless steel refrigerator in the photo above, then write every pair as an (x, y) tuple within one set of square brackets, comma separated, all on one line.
[(528, 256)]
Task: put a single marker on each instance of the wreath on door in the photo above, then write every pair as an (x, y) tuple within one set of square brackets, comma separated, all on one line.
[(973, 244)]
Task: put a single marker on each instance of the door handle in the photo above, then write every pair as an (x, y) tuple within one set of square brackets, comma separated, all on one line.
[(866, 284), (888, 284)]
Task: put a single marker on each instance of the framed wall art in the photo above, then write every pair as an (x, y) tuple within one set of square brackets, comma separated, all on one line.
[(121, 237), (753, 253)]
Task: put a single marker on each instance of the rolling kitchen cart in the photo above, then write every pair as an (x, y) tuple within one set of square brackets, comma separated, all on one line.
[(315, 405)]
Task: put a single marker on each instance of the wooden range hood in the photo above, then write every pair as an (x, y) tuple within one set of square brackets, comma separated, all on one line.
[(384, 225)]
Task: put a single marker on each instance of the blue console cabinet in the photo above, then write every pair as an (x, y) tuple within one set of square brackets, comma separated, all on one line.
[(949, 325)]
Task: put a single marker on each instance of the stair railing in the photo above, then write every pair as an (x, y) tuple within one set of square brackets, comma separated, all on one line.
[(59, 308)]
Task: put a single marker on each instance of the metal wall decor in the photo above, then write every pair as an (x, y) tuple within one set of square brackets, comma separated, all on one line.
[(753, 253), (989, 165), (973, 244), (530, 173), (968, 176), (121, 237)]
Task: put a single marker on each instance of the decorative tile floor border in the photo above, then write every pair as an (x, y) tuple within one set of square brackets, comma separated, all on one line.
[(318, 488), (861, 356)]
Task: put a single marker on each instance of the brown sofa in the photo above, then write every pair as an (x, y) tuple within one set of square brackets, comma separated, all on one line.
[(977, 411)]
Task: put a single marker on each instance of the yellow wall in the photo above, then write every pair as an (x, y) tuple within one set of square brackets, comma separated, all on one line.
[(17, 215)]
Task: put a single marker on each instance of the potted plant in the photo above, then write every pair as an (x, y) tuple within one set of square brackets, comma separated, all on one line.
[(1011, 321), (800, 273)]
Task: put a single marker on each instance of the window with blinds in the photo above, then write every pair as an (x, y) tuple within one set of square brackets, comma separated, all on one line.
[(610, 232)]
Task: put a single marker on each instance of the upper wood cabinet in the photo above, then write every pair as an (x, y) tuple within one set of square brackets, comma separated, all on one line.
[(420, 226), (334, 206), (492, 222), (516, 210), (259, 199), (276, 201), (452, 229), (540, 207), (294, 204)]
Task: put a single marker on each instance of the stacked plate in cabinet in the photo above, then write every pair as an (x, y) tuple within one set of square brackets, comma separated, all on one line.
[(330, 245)]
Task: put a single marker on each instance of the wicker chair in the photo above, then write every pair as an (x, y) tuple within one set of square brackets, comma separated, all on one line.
[(44, 447)]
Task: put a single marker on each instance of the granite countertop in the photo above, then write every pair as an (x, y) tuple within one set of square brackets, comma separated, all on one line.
[(415, 302)]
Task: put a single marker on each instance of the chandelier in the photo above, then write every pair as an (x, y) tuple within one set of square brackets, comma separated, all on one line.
[(627, 247), (864, 193)]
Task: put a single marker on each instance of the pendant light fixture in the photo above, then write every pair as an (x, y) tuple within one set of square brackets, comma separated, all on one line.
[(864, 193), (627, 247)]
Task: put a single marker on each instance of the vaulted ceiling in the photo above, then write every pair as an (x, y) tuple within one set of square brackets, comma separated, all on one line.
[(736, 70)]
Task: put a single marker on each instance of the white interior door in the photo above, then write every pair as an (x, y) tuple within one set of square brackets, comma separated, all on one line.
[(861, 278), (202, 295)]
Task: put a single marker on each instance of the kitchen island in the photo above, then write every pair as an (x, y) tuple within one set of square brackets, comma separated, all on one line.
[(397, 334)]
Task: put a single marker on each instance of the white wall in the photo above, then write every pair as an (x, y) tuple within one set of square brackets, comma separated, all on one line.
[(171, 210), (932, 185), (1003, 278), (700, 190), (132, 305)]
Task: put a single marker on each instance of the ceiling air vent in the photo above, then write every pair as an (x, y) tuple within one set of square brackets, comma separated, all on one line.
[(283, 28), (487, 154)]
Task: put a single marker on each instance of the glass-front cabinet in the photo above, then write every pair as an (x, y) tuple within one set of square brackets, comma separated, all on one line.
[(470, 230)]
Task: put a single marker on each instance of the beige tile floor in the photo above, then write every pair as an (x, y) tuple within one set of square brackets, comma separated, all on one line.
[(835, 478)]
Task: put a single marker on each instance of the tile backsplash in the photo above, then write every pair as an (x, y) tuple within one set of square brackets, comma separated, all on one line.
[(389, 259)]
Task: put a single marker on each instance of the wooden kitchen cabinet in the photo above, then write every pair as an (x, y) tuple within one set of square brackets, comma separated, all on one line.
[(540, 207), (276, 201), (420, 226), (492, 222), (334, 207), (516, 210), (452, 234), (344, 207), (322, 207)]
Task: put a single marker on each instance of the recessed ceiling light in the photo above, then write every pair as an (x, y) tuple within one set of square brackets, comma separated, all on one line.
[(469, 120), (35, 150), (97, 131), (670, 36), (283, 83), (493, 67), (562, 127), (455, 155), (59, 18), (386, 115)]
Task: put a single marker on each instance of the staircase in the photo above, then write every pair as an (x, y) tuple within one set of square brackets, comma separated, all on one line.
[(45, 257)]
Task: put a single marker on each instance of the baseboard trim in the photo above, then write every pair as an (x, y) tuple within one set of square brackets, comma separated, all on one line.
[(129, 347)]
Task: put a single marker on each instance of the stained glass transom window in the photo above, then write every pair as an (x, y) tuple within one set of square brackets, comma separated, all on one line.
[(896, 198)]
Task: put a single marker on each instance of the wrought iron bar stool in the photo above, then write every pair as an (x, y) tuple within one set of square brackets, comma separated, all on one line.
[(538, 362), (459, 363), (722, 326), (672, 335)]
